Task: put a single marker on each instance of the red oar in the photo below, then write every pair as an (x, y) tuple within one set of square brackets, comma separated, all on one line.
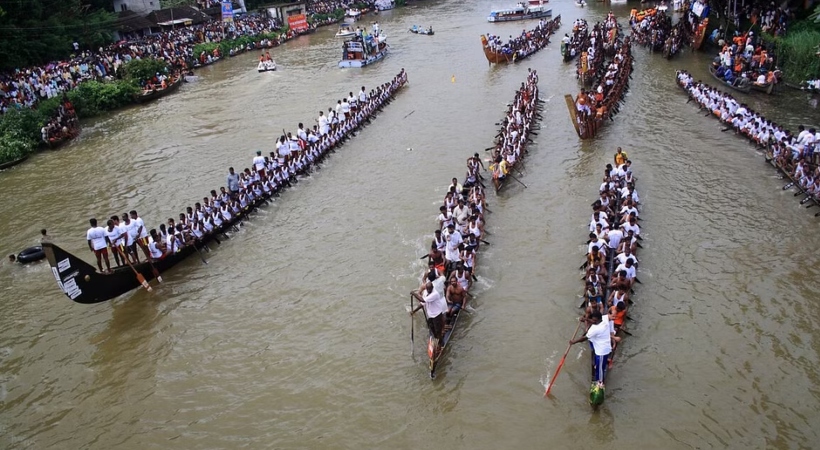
[(561, 364)]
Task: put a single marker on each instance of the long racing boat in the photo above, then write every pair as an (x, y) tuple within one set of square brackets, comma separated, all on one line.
[(610, 277), (452, 259), (82, 283), (592, 109), (536, 39)]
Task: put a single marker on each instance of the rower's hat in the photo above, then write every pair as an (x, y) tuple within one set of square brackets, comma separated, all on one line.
[(451, 225), (259, 152)]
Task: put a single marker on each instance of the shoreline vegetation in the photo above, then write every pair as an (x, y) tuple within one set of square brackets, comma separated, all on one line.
[(20, 129)]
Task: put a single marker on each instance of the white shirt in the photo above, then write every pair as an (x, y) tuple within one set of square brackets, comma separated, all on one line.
[(622, 258), (600, 244), (615, 237), (599, 336), (434, 303), (114, 236), (259, 162), (140, 227), (97, 237), (635, 229), (630, 271), (156, 253), (131, 230)]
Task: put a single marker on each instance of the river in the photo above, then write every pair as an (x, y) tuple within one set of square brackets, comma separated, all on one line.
[(295, 335)]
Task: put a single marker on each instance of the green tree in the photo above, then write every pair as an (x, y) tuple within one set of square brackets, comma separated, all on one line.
[(37, 31)]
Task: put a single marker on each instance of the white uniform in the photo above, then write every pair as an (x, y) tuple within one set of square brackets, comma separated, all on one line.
[(434, 303), (259, 162), (140, 226), (97, 237), (114, 236), (599, 336), (131, 231)]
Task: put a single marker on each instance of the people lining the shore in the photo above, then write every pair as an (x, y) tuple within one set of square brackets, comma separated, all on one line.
[(215, 214), (745, 61), (24, 87)]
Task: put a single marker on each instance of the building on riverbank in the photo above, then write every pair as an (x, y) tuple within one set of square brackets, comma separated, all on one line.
[(286, 10)]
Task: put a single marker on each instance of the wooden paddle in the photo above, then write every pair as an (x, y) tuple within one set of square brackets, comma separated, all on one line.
[(201, 256), (412, 328), (563, 359), (140, 278), (516, 179)]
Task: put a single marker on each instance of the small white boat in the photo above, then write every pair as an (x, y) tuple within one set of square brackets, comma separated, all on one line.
[(266, 66), (353, 13), (345, 31), (580, 3)]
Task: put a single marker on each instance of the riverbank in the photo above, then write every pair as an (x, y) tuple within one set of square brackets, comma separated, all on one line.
[(21, 130)]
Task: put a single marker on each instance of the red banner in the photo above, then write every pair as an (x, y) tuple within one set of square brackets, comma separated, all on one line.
[(298, 23)]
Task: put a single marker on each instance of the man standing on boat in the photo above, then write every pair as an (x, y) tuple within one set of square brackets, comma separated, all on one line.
[(259, 164), (435, 306), (233, 182), (97, 244), (600, 335)]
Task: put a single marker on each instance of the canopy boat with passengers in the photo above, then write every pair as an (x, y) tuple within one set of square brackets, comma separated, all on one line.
[(360, 52), (520, 11)]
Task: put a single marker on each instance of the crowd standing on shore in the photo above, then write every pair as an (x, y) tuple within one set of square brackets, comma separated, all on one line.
[(25, 87)]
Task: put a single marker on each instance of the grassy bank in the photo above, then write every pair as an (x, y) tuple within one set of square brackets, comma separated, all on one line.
[(241, 42), (797, 52), (20, 133)]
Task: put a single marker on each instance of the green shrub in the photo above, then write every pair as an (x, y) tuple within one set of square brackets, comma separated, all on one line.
[(92, 98), (141, 70), (796, 53), (14, 147)]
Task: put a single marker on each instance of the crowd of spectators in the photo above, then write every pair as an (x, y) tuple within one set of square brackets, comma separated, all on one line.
[(773, 17), (744, 60), (24, 87)]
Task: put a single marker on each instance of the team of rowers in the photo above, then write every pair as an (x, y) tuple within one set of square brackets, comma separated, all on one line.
[(795, 154), (602, 101), (571, 45), (602, 40), (217, 213), (511, 140), (655, 30), (527, 43), (613, 240), (452, 259)]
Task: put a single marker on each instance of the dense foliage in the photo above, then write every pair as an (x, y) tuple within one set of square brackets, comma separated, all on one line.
[(92, 98), (139, 70), (37, 31), (226, 45), (19, 131), (797, 52)]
